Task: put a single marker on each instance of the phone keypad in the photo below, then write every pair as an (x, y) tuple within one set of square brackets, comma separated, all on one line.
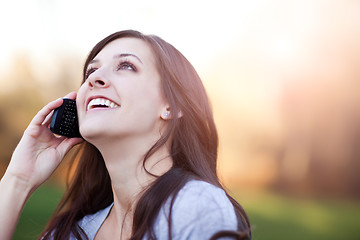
[(66, 124)]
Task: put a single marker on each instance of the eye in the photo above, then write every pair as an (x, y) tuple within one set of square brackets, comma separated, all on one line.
[(89, 72), (126, 65)]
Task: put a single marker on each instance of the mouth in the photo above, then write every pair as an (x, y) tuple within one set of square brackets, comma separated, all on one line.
[(101, 102)]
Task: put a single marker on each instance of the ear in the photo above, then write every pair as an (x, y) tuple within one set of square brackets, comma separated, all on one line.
[(167, 114)]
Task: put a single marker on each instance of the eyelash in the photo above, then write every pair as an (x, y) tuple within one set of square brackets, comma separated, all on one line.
[(126, 63), (89, 72), (123, 63)]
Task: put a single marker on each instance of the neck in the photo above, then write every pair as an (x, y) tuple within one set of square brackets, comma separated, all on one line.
[(124, 161)]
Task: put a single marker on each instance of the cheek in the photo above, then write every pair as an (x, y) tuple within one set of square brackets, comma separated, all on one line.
[(80, 97), (150, 99), (80, 101), (144, 110)]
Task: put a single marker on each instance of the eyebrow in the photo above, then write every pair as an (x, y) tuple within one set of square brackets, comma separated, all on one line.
[(121, 55), (127, 55)]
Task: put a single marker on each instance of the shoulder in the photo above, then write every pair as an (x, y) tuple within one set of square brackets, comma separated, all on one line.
[(202, 199), (202, 191), (200, 209)]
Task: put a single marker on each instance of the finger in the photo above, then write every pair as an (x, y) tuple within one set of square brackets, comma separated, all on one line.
[(48, 119), (45, 111), (71, 95)]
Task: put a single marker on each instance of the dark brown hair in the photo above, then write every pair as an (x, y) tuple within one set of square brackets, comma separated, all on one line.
[(194, 145)]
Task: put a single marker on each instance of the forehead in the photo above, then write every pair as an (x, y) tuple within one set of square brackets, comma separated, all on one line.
[(126, 45)]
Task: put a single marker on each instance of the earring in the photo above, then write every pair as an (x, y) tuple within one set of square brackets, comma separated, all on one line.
[(165, 115)]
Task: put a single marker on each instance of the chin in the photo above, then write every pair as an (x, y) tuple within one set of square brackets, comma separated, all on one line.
[(101, 133), (90, 133)]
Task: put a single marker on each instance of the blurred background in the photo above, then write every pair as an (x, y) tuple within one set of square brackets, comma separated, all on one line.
[(283, 78)]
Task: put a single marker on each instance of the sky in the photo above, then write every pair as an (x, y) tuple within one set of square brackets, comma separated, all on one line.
[(45, 28), (203, 30)]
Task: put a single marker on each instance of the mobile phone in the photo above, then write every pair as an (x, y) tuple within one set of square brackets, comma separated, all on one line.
[(64, 121)]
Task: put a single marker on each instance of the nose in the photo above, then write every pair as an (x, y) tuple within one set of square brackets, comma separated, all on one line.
[(97, 79)]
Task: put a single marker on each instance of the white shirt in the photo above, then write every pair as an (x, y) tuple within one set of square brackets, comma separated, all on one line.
[(199, 211)]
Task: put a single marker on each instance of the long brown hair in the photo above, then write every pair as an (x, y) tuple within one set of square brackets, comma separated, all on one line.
[(194, 145)]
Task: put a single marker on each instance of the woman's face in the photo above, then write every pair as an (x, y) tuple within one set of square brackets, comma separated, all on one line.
[(121, 95)]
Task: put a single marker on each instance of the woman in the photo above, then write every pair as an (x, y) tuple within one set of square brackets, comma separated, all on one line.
[(147, 167)]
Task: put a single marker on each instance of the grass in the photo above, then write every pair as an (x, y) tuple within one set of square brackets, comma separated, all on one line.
[(277, 217), (37, 212), (272, 216)]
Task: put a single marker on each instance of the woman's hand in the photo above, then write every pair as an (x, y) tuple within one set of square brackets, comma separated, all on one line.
[(39, 151), (35, 158)]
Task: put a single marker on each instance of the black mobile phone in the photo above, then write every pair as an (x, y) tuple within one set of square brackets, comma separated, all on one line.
[(64, 121)]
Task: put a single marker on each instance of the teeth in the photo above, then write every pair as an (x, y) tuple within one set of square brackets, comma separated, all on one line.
[(101, 101)]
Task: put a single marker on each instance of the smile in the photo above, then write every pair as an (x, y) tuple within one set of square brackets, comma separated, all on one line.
[(101, 103)]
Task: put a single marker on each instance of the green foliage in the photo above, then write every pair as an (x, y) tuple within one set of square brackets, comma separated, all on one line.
[(272, 216)]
